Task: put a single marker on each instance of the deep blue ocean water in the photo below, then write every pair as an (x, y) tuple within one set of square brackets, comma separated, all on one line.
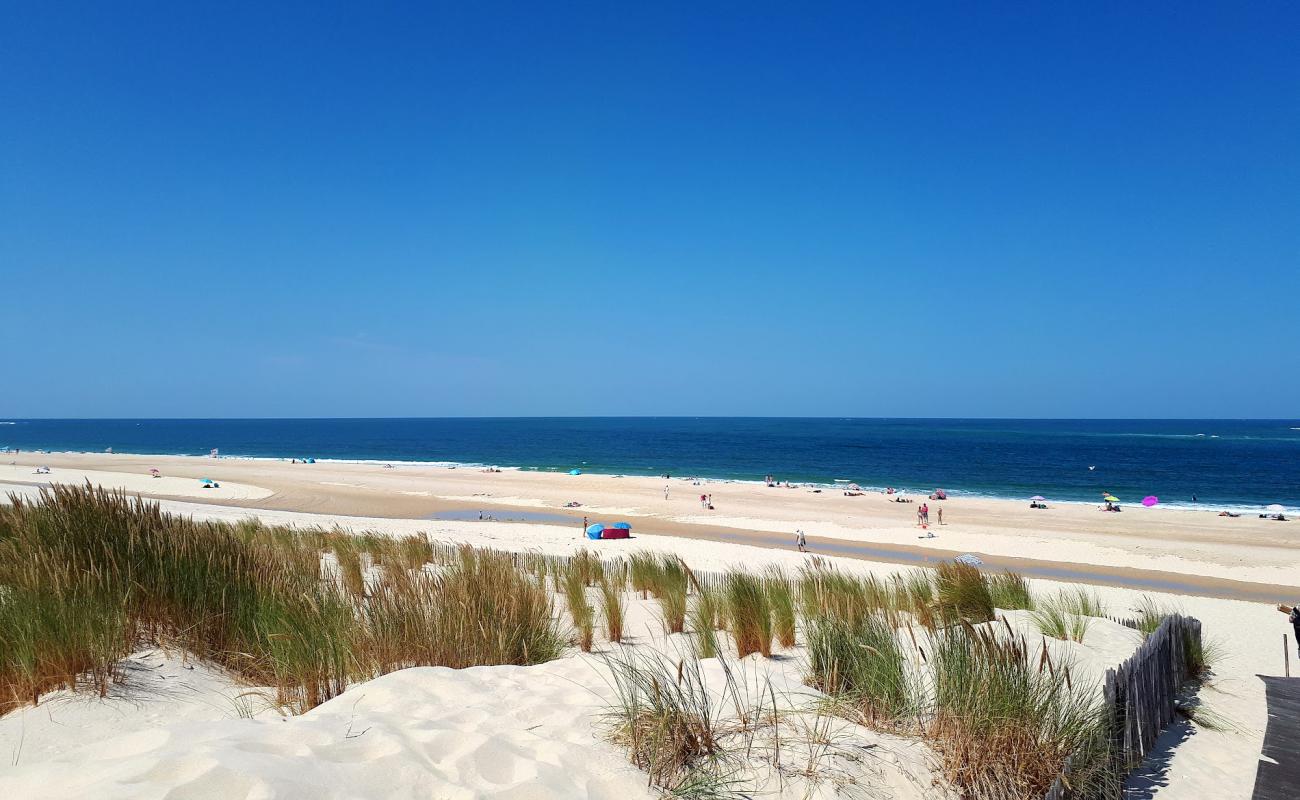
[(1220, 462)]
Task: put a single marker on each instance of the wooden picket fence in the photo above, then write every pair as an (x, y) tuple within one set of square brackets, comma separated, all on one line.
[(1142, 697)]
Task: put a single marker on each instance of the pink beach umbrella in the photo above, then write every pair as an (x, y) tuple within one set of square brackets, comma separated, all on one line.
[(1038, 497), (1150, 500)]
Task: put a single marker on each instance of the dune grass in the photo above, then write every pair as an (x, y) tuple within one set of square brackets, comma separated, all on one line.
[(590, 569), (828, 592), (861, 662), (962, 592), (669, 586), (748, 612), (1005, 720), (1010, 591), (580, 611), (704, 621), (643, 571), (1150, 614), (613, 607), (693, 738), (88, 575), (780, 598), (1067, 614), (664, 718)]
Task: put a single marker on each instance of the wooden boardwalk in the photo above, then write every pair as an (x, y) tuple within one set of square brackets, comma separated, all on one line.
[(1280, 780)]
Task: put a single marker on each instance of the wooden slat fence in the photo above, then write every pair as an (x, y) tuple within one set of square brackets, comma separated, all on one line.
[(1142, 697)]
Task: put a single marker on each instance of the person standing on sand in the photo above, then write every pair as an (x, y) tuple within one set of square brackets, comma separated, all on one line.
[(940, 512), (1293, 616), (665, 491), (801, 541), (584, 527)]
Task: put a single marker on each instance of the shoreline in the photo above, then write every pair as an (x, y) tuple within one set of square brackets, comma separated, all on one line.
[(1240, 507)]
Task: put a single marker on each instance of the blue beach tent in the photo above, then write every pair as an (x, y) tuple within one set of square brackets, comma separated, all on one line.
[(575, 472), (595, 530)]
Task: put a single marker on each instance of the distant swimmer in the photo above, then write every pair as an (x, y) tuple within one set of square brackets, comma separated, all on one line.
[(1091, 468)]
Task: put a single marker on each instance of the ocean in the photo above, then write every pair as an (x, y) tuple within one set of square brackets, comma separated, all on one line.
[(1202, 463)]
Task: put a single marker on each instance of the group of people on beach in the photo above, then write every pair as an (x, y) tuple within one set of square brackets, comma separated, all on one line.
[(923, 514)]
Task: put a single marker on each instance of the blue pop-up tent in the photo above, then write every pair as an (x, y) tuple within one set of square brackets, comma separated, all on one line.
[(595, 530)]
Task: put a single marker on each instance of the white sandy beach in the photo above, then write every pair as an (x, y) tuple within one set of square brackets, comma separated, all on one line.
[(523, 732)]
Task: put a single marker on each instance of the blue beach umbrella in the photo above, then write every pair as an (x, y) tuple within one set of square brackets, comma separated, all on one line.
[(575, 472), (627, 526)]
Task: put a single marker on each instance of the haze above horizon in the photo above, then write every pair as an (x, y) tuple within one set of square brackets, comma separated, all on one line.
[(308, 210)]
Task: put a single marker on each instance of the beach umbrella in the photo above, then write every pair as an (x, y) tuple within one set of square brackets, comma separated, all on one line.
[(854, 487), (153, 470), (969, 560), (1110, 498), (1275, 509), (1038, 497), (1150, 500), (624, 525), (575, 472)]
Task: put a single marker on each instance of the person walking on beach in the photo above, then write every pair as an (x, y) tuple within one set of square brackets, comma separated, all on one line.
[(940, 512), (665, 491), (801, 541)]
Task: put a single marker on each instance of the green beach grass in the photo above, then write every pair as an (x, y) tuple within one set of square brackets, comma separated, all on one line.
[(88, 575)]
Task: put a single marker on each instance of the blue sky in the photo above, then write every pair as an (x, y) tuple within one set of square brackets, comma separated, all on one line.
[(1083, 210)]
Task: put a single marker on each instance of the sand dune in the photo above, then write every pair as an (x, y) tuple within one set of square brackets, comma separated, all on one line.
[(533, 732)]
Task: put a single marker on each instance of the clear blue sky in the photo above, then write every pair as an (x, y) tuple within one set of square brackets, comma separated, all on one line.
[(898, 209)]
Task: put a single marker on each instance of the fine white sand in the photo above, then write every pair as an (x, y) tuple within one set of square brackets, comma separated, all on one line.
[(534, 732), (163, 486)]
